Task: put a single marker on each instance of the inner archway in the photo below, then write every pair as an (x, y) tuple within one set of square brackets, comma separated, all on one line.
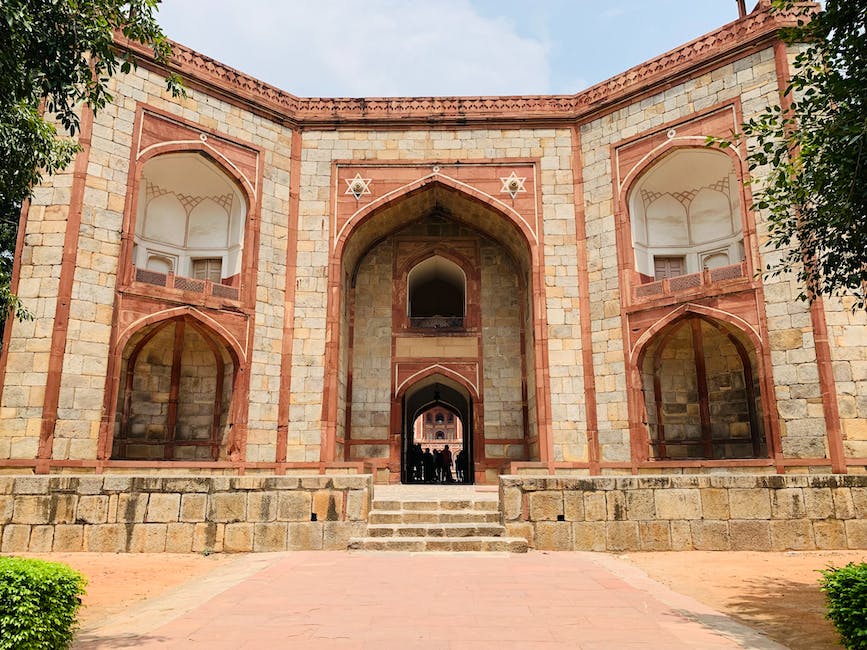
[(437, 435)]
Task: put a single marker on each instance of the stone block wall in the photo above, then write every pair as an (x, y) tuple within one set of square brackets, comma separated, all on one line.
[(669, 513), (181, 514), (83, 382), (371, 358), (501, 356)]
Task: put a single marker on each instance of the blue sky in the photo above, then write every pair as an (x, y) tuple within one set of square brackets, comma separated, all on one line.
[(343, 48)]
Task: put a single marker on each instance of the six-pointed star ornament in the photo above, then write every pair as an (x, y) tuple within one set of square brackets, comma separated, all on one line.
[(358, 186), (513, 184)]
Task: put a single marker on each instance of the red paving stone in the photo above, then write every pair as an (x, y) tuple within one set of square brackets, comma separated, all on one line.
[(435, 600)]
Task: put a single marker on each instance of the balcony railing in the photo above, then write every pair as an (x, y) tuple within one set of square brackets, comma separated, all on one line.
[(661, 288), (436, 322), (172, 281)]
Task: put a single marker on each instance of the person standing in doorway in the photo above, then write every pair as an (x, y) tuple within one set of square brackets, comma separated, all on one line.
[(428, 462), (447, 465)]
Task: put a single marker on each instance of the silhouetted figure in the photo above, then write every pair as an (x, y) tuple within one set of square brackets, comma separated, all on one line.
[(418, 462), (428, 464), (412, 463), (461, 466), (447, 465), (438, 466)]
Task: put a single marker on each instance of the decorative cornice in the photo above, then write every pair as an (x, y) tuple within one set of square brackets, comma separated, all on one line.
[(714, 48)]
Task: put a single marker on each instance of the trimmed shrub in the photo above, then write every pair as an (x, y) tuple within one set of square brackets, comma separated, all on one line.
[(846, 591), (38, 604)]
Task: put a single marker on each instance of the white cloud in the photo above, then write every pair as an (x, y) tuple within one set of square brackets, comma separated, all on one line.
[(375, 48)]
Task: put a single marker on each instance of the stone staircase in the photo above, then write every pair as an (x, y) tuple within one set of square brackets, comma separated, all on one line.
[(436, 521)]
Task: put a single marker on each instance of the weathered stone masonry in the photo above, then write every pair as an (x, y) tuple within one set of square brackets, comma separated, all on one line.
[(602, 251), (674, 513), (181, 514)]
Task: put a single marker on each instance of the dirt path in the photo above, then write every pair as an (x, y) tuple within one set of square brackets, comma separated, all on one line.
[(777, 593)]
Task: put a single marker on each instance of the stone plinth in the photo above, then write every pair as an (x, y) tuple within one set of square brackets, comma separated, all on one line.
[(707, 512), (181, 514)]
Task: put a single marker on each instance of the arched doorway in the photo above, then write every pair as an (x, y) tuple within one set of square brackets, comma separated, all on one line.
[(437, 435)]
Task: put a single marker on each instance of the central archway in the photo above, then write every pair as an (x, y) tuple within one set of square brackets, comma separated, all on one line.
[(437, 416), (490, 339)]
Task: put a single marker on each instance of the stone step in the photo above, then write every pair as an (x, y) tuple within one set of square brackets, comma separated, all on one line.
[(433, 517), (485, 505), (447, 544), (435, 530)]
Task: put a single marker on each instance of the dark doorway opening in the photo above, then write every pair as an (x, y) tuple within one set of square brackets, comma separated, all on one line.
[(436, 445)]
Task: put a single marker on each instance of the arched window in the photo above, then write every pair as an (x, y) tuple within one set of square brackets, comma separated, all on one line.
[(190, 219), (436, 294), (685, 215)]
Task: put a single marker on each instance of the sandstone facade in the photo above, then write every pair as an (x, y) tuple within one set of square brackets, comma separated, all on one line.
[(612, 319)]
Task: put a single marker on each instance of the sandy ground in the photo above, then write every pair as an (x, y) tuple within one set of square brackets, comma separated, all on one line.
[(116, 581), (776, 593)]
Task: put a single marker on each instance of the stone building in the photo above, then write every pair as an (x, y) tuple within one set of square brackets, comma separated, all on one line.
[(246, 281)]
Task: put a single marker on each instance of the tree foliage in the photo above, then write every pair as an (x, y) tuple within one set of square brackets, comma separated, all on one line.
[(815, 192), (56, 55)]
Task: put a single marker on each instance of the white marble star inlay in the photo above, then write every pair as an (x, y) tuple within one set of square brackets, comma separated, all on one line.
[(513, 184), (357, 186)]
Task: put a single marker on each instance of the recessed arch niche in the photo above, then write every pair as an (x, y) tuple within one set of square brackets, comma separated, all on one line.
[(190, 218), (177, 383), (702, 392), (685, 214), (436, 293)]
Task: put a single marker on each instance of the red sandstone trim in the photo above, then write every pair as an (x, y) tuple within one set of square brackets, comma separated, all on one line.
[(64, 292), (827, 382), (289, 299), (329, 406), (590, 406)]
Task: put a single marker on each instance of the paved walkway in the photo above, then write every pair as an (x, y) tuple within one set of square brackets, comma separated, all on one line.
[(403, 600)]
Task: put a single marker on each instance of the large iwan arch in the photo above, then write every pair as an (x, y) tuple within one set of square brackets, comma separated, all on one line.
[(375, 345)]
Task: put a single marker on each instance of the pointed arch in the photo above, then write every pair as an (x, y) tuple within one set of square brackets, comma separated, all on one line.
[(465, 207), (701, 391), (175, 395), (209, 323), (205, 149), (360, 216), (694, 198), (431, 371), (640, 345)]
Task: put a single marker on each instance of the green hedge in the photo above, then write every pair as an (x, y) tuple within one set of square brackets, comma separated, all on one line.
[(846, 591), (38, 604)]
